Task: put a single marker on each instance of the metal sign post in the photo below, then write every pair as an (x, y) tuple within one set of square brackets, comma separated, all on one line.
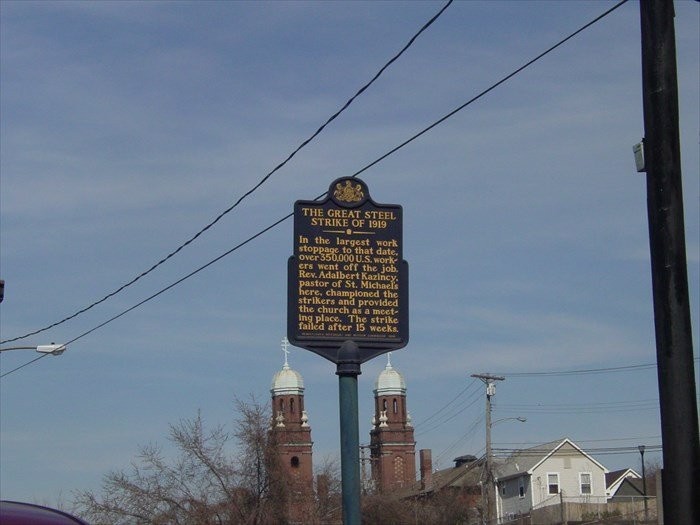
[(348, 299), (347, 371)]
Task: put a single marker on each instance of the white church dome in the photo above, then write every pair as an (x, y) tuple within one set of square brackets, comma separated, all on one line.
[(390, 382), (287, 381)]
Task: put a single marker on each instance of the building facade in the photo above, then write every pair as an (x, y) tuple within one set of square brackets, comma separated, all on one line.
[(547, 475)]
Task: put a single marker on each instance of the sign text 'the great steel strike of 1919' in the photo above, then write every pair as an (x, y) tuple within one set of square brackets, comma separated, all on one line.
[(347, 278)]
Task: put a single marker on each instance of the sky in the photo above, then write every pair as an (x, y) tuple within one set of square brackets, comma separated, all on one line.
[(128, 126)]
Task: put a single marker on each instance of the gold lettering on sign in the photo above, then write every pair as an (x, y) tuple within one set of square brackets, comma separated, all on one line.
[(348, 271)]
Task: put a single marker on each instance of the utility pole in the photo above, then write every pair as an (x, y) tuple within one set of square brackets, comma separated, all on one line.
[(674, 345), (487, 495)]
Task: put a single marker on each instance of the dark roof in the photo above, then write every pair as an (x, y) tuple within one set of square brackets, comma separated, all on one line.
[(16, 513), (462, 460), (637, 483), (612, 477), (463, 475)]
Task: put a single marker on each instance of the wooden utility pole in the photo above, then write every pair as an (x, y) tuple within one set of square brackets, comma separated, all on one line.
[(674, 345), (488, 494)]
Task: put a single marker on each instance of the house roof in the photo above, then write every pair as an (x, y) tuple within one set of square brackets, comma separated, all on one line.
[(525, 461), (614, 479), (462, 476), (617, 476)]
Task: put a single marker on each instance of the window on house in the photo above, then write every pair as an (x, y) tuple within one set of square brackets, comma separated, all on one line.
[(521, 487), (503, 488), (553, 483), (585, 482)]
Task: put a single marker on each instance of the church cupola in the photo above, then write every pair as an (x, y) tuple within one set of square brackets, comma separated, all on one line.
[(287, 393), (292, 437), (391, 439)]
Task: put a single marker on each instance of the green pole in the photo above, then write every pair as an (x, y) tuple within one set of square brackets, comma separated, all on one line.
[(348, 370)]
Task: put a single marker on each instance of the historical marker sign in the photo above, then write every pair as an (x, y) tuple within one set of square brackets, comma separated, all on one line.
[(347, 279)]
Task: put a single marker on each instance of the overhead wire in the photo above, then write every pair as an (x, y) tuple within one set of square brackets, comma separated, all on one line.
[(581, 372), (246, 194), (357, 173), (444, 407), (600, 451), (585, 371), (461, 439), (588, 408), (22, 366), (636, 439), (450, 416), (489, 89), (163, 290)]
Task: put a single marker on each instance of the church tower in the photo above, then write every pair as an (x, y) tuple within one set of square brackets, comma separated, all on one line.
[(392, 447), (292, 436)]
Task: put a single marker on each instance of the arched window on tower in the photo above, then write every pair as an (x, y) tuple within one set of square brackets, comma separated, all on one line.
[(396, 406), (295, 462), (384, 405), (282, 405), (291, 405)]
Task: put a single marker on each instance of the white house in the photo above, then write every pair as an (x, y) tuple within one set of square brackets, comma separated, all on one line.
[(547, 475)]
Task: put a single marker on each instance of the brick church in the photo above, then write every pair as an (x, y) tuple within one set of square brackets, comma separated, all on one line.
[(392, 445), (291, 434)]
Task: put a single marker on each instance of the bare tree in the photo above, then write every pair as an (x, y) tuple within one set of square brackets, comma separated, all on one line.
[(261, 478), (205, 484), (328, 492), (653, 472), (445, 507)]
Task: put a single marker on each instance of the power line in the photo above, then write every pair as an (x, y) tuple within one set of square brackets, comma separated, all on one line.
[(424, 421), (583, 371), (461, 439), (368, 166), (614, 406), (163, 290), (449, 417), (492, 87), (248, 193), (636, 439), (600, 451), (22, 366)]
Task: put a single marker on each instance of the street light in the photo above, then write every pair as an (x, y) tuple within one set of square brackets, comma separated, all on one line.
[(644, 483), (52, 349), (519, 418), (491, 497)]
